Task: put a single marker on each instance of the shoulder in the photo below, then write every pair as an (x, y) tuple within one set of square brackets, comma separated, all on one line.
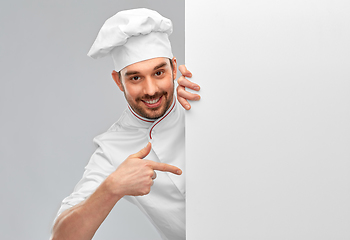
[(121, 139), (118, 125), (117, 130)]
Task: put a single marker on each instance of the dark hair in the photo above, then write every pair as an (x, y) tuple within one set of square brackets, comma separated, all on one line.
[(171, 64)]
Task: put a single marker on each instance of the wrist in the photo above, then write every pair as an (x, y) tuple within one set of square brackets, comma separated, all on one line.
[(112, 188)]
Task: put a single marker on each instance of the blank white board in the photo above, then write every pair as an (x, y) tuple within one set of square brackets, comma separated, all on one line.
[(268, 145)]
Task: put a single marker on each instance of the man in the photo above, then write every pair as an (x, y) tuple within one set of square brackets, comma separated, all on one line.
[(148, 136)]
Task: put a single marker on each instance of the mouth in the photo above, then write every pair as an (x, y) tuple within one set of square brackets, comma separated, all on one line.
[(153, 103)]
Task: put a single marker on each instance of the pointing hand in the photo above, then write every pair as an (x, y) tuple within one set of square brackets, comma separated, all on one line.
[(135, 175)]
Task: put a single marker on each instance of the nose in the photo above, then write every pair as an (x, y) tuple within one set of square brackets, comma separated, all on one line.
[(150, 86)]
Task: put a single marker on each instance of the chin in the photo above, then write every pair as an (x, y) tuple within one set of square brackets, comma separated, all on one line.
[(154, 114)]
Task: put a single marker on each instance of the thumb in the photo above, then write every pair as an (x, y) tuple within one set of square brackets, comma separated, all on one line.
[(143, 152)]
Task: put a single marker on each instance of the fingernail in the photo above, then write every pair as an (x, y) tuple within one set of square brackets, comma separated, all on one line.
[(196, 98), (187, 106), (196, 88), (179, 172)]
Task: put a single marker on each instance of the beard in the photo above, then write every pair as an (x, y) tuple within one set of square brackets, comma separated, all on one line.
[(141, 109)]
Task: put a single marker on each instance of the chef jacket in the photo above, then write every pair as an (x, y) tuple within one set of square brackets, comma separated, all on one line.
[(165, 204)]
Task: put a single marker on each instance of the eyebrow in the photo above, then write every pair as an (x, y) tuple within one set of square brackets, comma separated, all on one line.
[(131, 73), (136, 72), (160, 66)]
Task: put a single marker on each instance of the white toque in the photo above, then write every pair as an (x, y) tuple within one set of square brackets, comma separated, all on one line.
[(132, 36)]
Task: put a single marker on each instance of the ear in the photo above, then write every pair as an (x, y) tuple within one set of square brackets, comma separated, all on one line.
[(117, 80), (174, 67)]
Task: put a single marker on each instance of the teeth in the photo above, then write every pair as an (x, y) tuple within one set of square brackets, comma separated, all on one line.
[(152, 101)]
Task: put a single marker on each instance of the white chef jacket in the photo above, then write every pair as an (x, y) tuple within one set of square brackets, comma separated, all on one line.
[(165, 204)]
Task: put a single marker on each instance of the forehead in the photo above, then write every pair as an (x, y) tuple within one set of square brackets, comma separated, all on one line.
[(146, 66)]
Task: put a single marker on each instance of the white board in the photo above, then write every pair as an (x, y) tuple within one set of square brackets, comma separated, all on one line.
[(268, 145)]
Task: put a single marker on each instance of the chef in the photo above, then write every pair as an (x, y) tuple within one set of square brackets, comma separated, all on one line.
[(142, 156)]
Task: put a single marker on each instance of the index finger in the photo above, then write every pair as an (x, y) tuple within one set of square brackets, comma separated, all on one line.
[(184, 71), (165, 167)]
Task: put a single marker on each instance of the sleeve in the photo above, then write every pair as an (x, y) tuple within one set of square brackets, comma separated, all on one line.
[(97, 170)]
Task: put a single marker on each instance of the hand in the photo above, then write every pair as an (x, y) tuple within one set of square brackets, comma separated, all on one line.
[(135, 175), (182, 94)]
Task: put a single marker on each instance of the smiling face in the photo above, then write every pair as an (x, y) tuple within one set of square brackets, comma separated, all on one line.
[(148, 86)]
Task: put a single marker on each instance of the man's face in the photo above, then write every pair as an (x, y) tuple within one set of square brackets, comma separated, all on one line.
[(148, 86)]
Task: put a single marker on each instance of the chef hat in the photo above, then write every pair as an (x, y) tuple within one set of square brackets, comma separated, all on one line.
[(133, 36)]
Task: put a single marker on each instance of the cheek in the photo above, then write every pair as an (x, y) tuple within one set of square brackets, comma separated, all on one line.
[(132, 91), (167, 85)]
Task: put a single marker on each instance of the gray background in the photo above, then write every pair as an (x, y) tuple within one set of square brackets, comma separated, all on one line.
[(54, 100)]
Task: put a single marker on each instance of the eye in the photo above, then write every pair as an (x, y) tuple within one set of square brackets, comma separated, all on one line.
[(135, 78), (159, 73)]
